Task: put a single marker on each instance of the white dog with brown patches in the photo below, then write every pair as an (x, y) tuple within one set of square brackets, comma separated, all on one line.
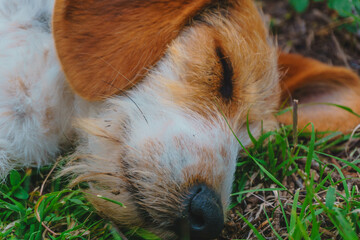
[(151, 86)]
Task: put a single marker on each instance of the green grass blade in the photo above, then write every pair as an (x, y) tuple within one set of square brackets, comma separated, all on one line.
[(310, 154), (252, 138), (111, 200), (256, 232), (283, 213), (257, 163), (257, 190), (293, 215), (272, 227), (330, 197)]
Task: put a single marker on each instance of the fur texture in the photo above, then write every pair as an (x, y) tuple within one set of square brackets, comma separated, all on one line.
[(35, 102), (148, 146), (129, 36), (180, 137), (310, 82)]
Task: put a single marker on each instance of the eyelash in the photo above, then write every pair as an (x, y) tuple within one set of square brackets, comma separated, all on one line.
[(226, 88)]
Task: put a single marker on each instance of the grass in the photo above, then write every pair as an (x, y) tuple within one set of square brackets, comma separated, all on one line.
[(306, 190), (348, 11), (26, 212), (321, 176)]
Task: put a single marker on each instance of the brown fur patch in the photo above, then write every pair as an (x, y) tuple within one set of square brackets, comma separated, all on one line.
[(107, 46), (251, 58), (312, 82)]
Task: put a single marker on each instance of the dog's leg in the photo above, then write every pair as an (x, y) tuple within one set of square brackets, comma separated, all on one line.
[(35, 103)]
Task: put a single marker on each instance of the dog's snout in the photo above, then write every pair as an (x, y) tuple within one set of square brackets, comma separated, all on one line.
[(204, 213)]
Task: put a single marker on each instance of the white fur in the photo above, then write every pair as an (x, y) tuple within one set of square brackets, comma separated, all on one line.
[(36, 105), (156, 120)]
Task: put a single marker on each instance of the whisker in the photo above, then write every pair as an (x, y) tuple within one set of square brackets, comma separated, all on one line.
[(120, 90), (132, 100), (116, 70)]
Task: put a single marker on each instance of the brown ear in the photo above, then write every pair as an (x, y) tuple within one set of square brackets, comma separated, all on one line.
[(107, 45), (313, 82)]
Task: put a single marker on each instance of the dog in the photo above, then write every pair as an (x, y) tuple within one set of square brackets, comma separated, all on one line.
[(152, 93)]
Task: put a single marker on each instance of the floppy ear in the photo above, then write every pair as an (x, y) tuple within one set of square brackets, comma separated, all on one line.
[(107, 45), (312, 82)]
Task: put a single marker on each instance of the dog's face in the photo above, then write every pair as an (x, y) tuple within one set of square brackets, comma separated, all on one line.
[(165, 148)]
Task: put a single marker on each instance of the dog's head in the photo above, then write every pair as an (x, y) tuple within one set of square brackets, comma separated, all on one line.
[(193, 71)]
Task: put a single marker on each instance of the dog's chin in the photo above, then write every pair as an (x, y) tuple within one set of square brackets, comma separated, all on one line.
[(170, 210), (156, 200)]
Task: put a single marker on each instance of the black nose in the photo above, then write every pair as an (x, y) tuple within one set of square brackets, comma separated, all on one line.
[(204, 213)]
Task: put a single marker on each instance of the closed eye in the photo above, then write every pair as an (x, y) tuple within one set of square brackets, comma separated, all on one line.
[(226, 87)]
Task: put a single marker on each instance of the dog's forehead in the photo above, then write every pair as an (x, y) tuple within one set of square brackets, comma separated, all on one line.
[(217, 46), (237, 29), (242, 15)]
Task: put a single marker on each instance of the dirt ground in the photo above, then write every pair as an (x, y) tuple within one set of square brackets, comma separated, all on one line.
[(314, 34)]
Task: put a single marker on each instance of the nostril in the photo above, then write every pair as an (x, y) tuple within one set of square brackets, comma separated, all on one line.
[(196, 215), (205, 213), (197, 220)]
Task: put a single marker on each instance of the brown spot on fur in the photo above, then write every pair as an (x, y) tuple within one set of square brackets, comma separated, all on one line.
[(46, 55), (116, 192), (207, 166), (22, 86), (224, 155), (7, 114), (153, 147), (48, 120)]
